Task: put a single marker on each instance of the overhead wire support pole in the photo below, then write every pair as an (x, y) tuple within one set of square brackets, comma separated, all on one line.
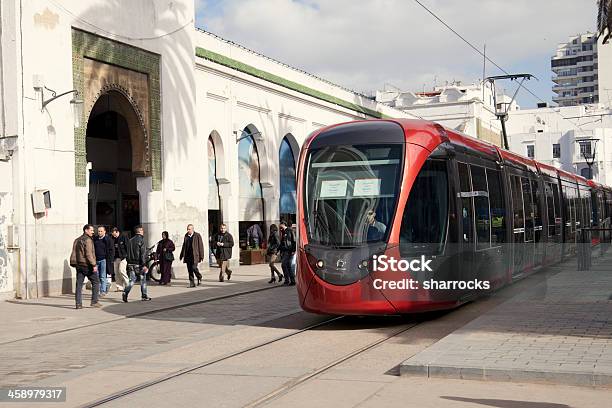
[(502, 113)]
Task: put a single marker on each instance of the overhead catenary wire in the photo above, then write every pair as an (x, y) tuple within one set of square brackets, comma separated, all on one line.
[(487, 58)]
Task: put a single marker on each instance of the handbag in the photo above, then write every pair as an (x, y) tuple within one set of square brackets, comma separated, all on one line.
[(168, 256)]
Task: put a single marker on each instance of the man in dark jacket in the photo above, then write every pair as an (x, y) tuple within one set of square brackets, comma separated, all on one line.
[(120, 243), (104, 255), (83, 258), (137, 263), (287, 250), (192, 253), (224, 244)]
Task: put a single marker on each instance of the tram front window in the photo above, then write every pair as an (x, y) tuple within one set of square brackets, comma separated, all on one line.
[(351, 193)]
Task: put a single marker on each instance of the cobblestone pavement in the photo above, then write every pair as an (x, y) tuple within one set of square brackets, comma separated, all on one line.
[(559, 330), (122, 348)]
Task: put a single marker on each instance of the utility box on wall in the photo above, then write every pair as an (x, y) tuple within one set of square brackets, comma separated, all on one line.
[(41, 201), (12, 237)]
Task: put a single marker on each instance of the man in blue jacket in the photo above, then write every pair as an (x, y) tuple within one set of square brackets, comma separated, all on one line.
[(104, 254)]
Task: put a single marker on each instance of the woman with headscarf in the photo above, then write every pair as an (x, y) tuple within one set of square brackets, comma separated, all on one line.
[(273, 245), (165, 255)]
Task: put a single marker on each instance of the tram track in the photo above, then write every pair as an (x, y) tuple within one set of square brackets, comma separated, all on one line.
[(277, 393), (296, 382), (139, 314), (118, 395)]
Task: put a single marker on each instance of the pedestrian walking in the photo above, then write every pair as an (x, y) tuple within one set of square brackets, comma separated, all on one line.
[(287, 250), (165, 256), (224, 244), (273, 253), (83, 258), (104, 255), (137, 264), (120, 243), (192, 253)]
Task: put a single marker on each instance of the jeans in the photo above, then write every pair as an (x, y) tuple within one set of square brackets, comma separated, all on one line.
[(121, 277), (287, 268), (134, 270), (102, 275), (82, 273)]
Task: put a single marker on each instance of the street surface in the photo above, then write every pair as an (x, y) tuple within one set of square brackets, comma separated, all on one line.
[(241, 344)]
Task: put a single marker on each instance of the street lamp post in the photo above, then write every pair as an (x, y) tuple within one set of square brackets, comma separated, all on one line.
[(589, 157)]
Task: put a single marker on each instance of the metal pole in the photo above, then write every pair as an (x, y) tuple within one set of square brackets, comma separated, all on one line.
[(503, 124)]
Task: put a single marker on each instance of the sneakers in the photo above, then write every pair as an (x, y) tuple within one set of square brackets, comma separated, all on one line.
[(97, 305), (101, 295), (124, 297), (79, 306), (229, 274), (292, 284), (146, 299), (199, 281), (192, 285), (273, 280)]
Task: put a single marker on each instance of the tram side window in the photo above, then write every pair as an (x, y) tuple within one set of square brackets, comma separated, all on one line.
[(529, 213), (557, 208), (550, 207), (498, 207), (595, 221), (426, 214), (566, 206), (467, 213), (535, 189), (481, 207), (518, 216)]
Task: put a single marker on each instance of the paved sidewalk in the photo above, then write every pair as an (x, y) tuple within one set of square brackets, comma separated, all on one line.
[(558, 331), (35, 317)]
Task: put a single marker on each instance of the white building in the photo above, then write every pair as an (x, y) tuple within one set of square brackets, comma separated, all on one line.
[(178, 126), (575, 65), (467, 108), (565, 137)]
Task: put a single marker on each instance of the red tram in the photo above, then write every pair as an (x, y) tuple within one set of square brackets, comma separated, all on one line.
[(410, 188)]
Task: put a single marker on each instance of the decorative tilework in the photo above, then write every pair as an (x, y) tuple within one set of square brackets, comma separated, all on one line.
[(87, 45)]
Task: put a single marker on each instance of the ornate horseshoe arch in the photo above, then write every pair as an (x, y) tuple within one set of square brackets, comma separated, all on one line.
[(139, 135)]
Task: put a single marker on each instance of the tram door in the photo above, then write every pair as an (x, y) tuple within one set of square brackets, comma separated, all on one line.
[(537, 194), (518, 226), (529, 224), (467, 221)]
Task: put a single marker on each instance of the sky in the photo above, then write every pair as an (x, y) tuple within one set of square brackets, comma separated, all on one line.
[(366, 45)]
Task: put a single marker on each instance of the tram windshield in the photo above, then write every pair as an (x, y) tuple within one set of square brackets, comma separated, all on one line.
[(351, 193)]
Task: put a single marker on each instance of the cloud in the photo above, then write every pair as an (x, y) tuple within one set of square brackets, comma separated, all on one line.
[(363, 44)]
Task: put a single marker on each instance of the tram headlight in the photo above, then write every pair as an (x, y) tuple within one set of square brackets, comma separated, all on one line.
[(320, 264), (364, 264)]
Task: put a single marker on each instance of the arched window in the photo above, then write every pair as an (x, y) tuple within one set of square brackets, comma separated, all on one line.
[(287, 204), (586, 173), (213, 187), (251, 197)]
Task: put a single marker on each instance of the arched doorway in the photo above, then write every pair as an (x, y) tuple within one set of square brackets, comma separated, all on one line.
[(250, 191), (115, 149), (287, 201)]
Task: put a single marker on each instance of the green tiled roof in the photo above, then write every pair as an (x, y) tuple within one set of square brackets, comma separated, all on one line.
[(275, 79)]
